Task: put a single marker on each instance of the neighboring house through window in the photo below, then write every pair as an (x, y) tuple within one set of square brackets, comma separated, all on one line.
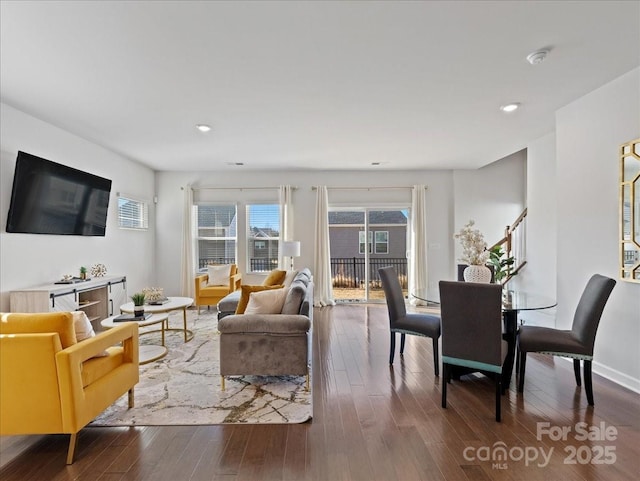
[(361, 241), (263, 236), (216, 231), (382, 242)]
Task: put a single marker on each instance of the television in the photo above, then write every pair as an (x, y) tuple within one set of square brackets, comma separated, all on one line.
[(51, 198)]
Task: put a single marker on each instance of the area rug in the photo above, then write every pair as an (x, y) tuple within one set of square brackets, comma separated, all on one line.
[(183, 388)]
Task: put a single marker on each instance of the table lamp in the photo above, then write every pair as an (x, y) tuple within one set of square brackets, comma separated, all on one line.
[(291, 249)]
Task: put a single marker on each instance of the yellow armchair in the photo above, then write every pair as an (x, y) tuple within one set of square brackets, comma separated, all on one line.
[(207, 295), (51, 384)]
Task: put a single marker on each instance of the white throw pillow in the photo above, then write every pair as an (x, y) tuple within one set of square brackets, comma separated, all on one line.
[(266, 302), (288, 279), (84, 329), (219, 275)]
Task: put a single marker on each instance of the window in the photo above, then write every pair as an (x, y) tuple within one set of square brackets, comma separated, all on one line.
[(263, 236), (132, 214), (216, 233), (361, 241), (382, 242)]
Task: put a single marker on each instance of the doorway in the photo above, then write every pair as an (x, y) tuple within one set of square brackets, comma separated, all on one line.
[(362, 240)]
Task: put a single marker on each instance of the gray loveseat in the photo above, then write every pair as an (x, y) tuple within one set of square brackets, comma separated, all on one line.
[(268, 344)]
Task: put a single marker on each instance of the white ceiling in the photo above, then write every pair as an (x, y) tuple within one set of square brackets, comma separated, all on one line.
[(309, 85)]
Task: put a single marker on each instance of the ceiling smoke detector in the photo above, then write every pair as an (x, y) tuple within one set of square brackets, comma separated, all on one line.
[(534, 58)]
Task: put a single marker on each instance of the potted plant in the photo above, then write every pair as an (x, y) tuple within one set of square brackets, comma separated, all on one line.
[(501, 264), (474, 253), (83, 273), (138, 303)]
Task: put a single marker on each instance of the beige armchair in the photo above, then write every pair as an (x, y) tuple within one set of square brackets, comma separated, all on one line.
[(210, 295), (51, 384)]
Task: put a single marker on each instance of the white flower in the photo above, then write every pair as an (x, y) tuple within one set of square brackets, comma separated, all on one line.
[(474, 248)]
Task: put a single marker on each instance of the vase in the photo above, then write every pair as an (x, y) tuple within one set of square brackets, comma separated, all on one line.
[(475, 273), (138, 311)]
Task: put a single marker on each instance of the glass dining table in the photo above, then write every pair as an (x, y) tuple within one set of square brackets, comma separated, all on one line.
[(513, 301)]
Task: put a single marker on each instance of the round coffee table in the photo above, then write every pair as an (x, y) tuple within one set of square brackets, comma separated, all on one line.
[(146, 352), (172, 304)]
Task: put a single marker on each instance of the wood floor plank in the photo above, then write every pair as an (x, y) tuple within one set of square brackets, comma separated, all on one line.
[(215, 443), (371, 421)]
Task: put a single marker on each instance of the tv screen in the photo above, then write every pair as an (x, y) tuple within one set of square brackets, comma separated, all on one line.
[(51, 198)]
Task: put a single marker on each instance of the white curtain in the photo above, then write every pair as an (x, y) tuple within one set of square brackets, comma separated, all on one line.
[(418, 258), (286, 219), (323, 290), (187, 275)]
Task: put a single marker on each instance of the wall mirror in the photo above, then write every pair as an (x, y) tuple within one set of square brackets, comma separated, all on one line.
[(630, 211)]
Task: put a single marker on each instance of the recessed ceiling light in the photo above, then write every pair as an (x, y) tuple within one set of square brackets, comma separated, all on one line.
[(203, 127), (510, 107)]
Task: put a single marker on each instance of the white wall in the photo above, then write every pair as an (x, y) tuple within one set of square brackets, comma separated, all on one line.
[(539, 275), (493, 196), (589, 132), (30, 259)]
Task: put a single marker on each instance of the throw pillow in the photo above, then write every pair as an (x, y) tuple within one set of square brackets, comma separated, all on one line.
[(84, 329), (294, 298), (288, 279), (275, 278), (245, 292), (219, 275), (266, 302)]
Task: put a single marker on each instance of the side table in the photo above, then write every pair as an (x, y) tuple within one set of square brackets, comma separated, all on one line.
[(147, 353)]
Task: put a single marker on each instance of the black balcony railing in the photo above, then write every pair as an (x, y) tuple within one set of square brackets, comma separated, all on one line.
[(266, 264), (348, 272), (205, 261)]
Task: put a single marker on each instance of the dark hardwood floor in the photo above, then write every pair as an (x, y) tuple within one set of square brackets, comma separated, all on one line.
[(372, 422)]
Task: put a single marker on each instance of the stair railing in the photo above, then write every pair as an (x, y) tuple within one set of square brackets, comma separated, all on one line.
[(514, 245)]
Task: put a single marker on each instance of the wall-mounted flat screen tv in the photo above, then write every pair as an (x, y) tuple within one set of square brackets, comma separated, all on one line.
[(51, 198)]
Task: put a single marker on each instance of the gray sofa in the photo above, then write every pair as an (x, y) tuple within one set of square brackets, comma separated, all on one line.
[(268, 344)]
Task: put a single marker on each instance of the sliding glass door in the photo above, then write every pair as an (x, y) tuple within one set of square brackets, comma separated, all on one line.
[(361, 241)]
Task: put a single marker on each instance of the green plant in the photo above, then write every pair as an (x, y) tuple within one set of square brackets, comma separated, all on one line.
[(83, 270), (138, 299), (501, 264)]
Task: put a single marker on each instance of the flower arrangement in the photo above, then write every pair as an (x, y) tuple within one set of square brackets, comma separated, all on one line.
[(474, 247), (153, 294)]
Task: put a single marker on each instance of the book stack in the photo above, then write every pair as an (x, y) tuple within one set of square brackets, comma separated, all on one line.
[(132, 317)]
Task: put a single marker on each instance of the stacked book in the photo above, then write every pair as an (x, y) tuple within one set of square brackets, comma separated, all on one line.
[(132, 317)]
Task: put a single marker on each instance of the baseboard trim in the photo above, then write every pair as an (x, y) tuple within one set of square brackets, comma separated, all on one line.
[(613, 375)]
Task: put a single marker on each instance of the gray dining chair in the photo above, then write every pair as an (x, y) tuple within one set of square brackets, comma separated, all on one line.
[(400, 321), (577, 343), (471, 318)]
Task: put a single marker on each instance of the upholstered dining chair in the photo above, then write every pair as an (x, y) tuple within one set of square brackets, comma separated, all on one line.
[(471, 318), (400, 321), (577, 343)]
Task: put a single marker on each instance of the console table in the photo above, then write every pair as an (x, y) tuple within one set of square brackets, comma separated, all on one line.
[(99, 297)]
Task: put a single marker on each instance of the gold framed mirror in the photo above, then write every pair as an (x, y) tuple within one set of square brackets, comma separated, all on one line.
[(630, 211)]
